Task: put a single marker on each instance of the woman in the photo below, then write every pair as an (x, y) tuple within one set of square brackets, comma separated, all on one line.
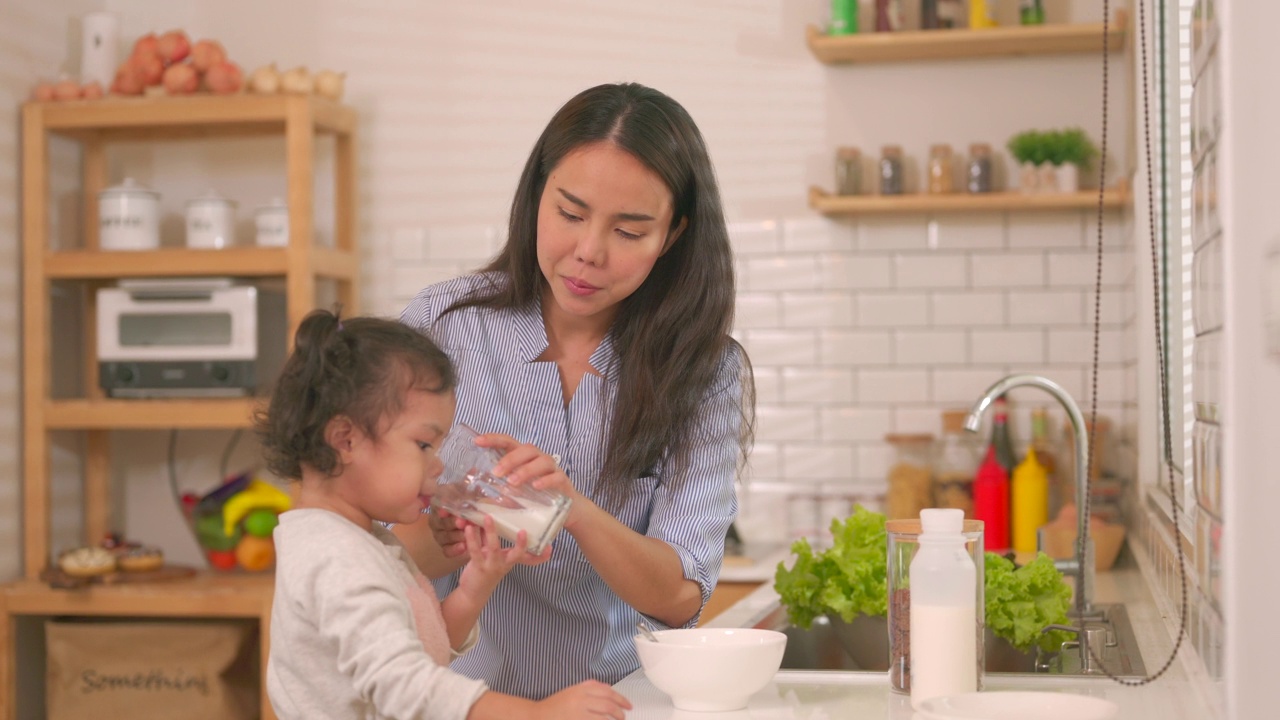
[(595, 349)]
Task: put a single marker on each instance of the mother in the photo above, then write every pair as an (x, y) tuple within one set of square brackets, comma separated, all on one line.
[(595, 350)]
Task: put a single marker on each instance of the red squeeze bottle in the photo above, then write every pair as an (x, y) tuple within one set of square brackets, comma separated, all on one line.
[(991, 502)]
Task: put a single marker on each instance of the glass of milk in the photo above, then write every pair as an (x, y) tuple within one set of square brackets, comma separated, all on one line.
[(469, 489)]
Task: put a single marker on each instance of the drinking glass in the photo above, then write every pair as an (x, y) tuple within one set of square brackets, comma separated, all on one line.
[(469, 489)]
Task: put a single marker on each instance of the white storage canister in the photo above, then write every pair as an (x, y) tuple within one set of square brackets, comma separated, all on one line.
[(211, 222), (272, 223), (128, 217)]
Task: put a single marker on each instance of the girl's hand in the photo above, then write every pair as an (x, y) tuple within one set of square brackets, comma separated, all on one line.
[(447, 529), (586, 700), (525, 463), (488, 558)]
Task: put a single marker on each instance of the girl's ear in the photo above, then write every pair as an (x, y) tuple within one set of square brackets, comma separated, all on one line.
[(675, 235), (341, 434)]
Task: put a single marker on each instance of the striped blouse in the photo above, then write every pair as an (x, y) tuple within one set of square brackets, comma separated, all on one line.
[(552, 625)]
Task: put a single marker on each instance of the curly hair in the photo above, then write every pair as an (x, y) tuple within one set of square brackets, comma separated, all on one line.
[(358, 367)]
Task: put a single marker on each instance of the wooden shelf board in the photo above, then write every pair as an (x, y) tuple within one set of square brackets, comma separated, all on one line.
[(241, 262), (150, 414), (1017, 40), (206, 595), (137, 118), (845, 205)]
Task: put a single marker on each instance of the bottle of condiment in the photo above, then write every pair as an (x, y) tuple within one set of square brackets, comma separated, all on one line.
[(1030, 502), (891, 170), (1047, 450), (955, 465), (848, 171), (941, 171), (1000, 435), (944, 613), (1031, 12), (844, 17), (950, 14), (991, 501), (888, 15), (929, 14), (982, 14), (978, 177)]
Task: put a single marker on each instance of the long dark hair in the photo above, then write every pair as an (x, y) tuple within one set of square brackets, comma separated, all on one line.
[(672, 333), (360, 367)]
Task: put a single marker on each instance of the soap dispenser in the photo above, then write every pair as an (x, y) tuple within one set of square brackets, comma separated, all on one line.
[(944, 613)]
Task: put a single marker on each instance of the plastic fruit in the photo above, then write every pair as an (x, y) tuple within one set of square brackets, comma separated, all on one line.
[(212, 536), (255, 553), (260, 522), (222, 559)]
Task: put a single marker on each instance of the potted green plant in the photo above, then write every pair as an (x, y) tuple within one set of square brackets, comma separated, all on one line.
[(1071, 152), (1051, 160), (1028, 149)]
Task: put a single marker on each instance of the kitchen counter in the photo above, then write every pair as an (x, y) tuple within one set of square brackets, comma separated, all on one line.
[(1179, 695)]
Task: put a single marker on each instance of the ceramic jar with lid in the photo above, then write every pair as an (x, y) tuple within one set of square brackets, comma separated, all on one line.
[(211, 222), (128, 217), (272, 224)]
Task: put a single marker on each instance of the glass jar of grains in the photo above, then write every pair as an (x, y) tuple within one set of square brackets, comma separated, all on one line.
[(910, 476), (891, 170), (848, 171), (941, 169), (956, 464)]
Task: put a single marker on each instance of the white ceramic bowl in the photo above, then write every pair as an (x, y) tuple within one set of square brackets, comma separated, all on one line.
[(1018, 706), (711, 669)]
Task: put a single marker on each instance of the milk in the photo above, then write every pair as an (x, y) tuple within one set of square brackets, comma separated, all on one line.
[(944, 650), (536, 520)]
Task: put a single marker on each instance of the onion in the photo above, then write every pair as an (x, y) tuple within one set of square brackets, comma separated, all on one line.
[(265, 80), (174, 47), (148, 44), (66, 90), (91, 91), (42, 91), (149, 66), (329, 84), (207, 53), (224, 78), (128, 81), (181, 79), (297, 81)]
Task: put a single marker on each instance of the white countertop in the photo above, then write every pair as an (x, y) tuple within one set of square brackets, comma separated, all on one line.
[(1179, 695)]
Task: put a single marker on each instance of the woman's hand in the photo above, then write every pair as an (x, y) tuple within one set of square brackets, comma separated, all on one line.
[(587, 699), (525, 463)]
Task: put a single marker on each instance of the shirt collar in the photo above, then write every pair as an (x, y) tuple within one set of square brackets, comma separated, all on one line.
[(531, 332)]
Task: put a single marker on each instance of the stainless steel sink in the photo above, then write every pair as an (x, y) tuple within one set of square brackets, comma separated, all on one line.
[(864, 645)]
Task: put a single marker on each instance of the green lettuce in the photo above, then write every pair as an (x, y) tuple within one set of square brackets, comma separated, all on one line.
[(849, 579)]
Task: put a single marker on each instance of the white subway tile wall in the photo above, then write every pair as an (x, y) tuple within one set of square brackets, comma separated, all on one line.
[(860, 329)]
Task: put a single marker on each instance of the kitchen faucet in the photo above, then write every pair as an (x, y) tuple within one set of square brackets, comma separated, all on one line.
[(1082, 567)]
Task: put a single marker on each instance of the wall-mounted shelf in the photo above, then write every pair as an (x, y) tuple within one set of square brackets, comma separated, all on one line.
[(1015, 40), (150, 414), (240, 262), (861, 205)]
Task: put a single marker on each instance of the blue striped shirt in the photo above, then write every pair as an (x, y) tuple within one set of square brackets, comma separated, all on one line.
[(552, 625)]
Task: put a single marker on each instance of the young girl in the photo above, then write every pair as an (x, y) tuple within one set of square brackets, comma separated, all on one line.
[(356, 631)]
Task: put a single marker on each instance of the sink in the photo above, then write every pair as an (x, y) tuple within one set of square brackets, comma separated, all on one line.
[(863, 645)]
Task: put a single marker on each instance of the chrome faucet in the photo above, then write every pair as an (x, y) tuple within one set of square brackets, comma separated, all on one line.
[(1082, 567)]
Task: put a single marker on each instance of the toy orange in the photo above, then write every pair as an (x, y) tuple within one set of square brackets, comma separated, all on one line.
[(255, 553)]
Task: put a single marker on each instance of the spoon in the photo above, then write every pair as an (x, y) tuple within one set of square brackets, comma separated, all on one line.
[(644, 630)]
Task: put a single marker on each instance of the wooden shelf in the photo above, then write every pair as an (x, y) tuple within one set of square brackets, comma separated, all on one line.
[(194, 116), (150, 414), (207, 595), (243, 262), (858, 205), (1017, 40)]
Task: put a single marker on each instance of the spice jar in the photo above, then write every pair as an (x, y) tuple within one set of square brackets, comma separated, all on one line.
[(978, 177), (940, 169), (956, 464), (848, 171), (891, 170), (910, 477)]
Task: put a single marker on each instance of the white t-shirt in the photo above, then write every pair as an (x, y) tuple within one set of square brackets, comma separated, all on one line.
[(356, 630)]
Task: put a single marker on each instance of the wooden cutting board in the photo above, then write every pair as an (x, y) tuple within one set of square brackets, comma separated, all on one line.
[(56, 578)]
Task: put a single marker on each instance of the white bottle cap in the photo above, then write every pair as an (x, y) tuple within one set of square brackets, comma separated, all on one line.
[(942, 521)]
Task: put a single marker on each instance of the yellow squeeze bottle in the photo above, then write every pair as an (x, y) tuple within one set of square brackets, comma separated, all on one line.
[(1030, 502), (981, 14)]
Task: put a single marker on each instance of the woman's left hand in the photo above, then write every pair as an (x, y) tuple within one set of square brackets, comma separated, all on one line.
[(525, 463)]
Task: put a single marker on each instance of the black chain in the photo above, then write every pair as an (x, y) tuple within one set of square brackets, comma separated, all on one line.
[(1160, 354)]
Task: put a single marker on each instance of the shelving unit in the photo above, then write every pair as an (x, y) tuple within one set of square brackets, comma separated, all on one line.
[(864, 205), (1016, 40), (301, 265)]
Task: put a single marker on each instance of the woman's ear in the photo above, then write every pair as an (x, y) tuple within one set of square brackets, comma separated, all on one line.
[(675, 235), (341, 434)]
